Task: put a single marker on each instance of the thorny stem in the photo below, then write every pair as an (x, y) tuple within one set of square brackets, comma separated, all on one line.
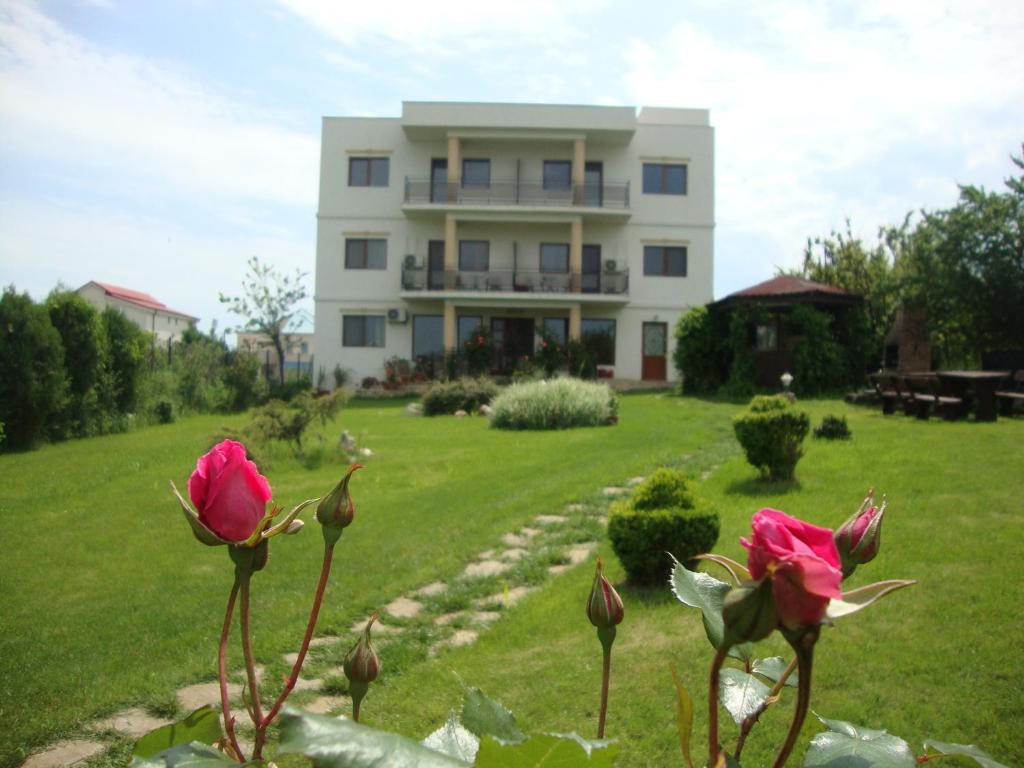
[(355, 709), (325, 571), (803, 644), (716, 672), (751, 720), (229, 721), (250, 670), (605, 675)]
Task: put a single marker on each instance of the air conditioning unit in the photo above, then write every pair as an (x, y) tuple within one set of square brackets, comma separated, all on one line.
[(398, 316), (609, 266), (410, 261)]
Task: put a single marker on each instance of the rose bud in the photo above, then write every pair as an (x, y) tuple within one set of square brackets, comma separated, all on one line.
[(859, 538), (749, 612), (361, 665), (336, 510), (801, 561), (230, 497), (604, 606)]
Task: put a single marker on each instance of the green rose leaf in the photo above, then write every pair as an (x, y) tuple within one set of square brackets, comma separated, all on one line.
[(968, 751), (194, 755), (860, 598), (338, 743), (486, 717), (845, 745), (454, 740), (202, 726), (741, 694), (551, 750), (699, 590), (773, 667)]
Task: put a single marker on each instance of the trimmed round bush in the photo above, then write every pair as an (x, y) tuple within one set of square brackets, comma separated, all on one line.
[(663, 516), (833, 428), (447, 397), (555, 404), (772, 433)]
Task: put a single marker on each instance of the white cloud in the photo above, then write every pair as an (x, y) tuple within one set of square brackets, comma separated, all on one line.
[(74, 103)]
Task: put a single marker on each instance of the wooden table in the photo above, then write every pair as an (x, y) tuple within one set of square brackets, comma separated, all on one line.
[(983, 385)]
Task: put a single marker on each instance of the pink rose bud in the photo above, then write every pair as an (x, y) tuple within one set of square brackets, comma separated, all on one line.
[(604, 606), (802, 562), (859, 538), (229, 494), (336, 511), (749, 612)]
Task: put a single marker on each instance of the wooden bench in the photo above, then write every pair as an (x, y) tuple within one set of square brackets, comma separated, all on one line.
[(927, 392), (1006, 398)]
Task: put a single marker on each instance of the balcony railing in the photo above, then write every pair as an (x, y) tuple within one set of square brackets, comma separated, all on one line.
[(613, 195), (514, 281)]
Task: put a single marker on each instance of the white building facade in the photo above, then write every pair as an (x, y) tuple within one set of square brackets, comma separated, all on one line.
[(147, 312), (594, 223)]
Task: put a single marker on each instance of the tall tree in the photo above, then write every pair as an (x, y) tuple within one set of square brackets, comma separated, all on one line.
[(269, 304)]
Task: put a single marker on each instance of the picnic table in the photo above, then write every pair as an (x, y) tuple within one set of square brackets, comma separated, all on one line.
[(982, 385)]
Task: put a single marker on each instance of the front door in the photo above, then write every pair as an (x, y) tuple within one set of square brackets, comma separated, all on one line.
[(439, 180), (435, 265), (593, 184), (591, 278), (513, 340), (655, 345)]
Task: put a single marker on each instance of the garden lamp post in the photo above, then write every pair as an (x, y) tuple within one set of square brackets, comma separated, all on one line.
[(786, 379)]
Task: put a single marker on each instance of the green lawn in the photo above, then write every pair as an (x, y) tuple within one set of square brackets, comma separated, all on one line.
[(110, 602)]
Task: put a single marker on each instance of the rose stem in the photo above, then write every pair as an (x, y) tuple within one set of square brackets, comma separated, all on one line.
[(716, 669), (355, 709), (804, 647), (751, 720), (229, 721), (605, 675), (250, 670), (325, 571)]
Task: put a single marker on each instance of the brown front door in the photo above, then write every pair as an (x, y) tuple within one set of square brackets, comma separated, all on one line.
[(655, 345)]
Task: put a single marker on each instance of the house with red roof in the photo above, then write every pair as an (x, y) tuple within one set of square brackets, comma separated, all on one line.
[(147, 312)]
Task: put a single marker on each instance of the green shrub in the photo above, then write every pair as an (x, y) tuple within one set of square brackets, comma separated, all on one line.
[(772, 432), (126, 346), (164, 412), (698, 352), (675, 521), (820, 364), (447, 397), (287, 422), (555, 404), (833, 428)]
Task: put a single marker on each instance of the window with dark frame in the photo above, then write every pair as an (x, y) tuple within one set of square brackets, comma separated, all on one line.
[(598, 337), (557, 174), (554, 258), (366, 253), (368, 171), (767, 338), (467, 327), (474, 255), (664, 179), (476, 173), (362, 330), (665, 260), (427, 336), (558, 328)]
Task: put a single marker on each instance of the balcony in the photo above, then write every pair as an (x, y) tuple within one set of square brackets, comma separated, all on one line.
[(516, 282), (518, 193)]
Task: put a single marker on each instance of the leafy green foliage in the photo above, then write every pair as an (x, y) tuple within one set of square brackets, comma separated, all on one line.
[(773, 668), (477, 351), (77, 323), (705, 593), (551, 352), (741, 693), (203, 726), (447, 397), (192, 755), (126, 349), (833, 428), (546, 751), (963, 752), (486, 717), (454, 740), (772, 432), (664, 487), (698, 351), (819, 361), (288, 422), (555, 404), (849, 746)]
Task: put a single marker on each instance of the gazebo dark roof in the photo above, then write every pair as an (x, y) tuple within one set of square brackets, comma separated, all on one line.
[(787, 289)]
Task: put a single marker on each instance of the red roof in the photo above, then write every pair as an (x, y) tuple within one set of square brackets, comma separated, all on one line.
[(788, 285), (139, 299)]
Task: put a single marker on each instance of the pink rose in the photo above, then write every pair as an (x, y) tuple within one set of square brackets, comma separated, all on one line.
[(229, 492), (802, 562)]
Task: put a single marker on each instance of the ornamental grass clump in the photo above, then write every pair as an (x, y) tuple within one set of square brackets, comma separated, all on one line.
[(772, 433), (555, 404)]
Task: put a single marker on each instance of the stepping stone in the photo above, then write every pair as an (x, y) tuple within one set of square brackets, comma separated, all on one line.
[(325, 705), (320, 642), (309, 684), (514, 540), (574, 508), (403, 608), (530, 532), (378, 628), (553, 519), (485, 568), (514, 596), (460, 638), (64, 753), (554, 570), (243, 676), (486, 555), (447, 618), (430, 590), (195, 696), (579, 554), (635, 481), (485, 617), (705, 474), (603, 520), (613, 491), (516, 553), (135, 722), (291, 658)]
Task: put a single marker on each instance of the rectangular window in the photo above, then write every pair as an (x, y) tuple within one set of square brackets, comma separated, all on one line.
[(368, 171), (598, 336), (558, 328), (767, 338), (474, 255), (664, 179), (554, 257), (468, 325), (476, 173), (557, 174), (364, 253), (665, 260), (362, 331), (427, 336)]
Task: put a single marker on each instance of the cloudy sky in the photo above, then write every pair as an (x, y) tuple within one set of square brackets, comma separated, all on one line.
[(158, 144)]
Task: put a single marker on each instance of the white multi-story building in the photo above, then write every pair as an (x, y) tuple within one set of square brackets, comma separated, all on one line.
[(592, 222), (148, 313)]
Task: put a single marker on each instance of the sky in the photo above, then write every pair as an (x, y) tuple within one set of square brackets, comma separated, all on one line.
[(160, 144)]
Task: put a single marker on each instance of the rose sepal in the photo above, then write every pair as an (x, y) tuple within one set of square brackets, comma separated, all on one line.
[(738, 571), (285, 526), (201, 532), (860, 598)]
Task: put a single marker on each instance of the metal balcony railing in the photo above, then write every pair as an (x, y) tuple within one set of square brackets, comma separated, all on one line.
[(514, 281), (614, 195)]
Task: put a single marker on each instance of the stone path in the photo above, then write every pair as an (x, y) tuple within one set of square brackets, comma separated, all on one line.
[(420, 608)]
